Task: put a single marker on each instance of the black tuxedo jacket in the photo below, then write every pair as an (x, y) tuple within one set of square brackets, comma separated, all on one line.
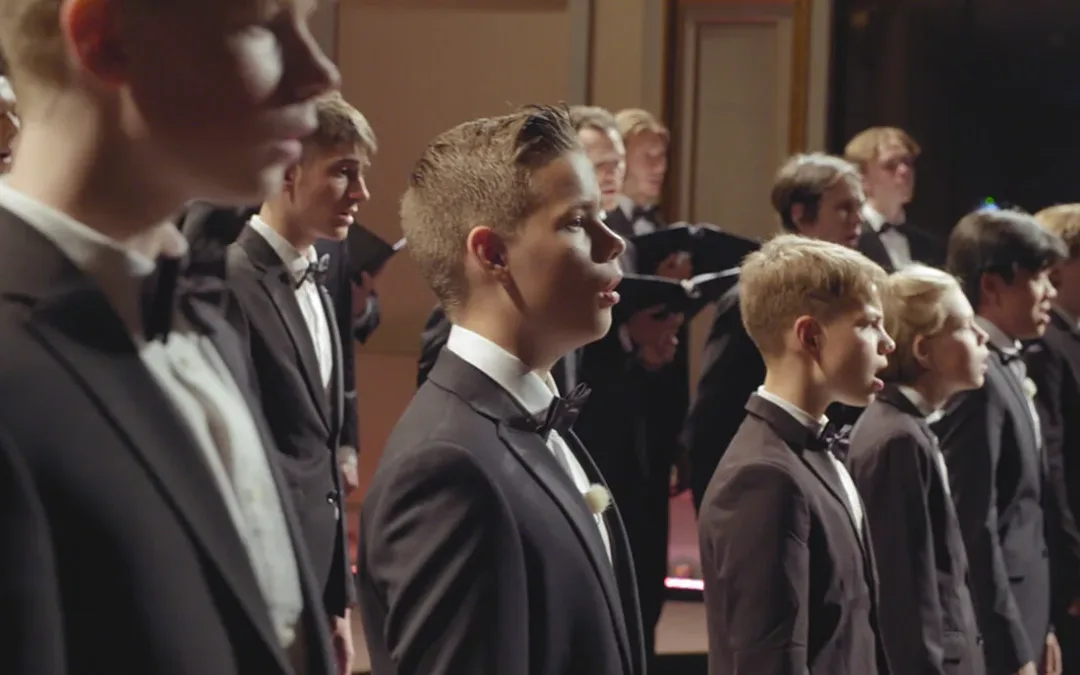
[(117, 552), (925, 248), (731, 370), (927, 619), (997, 471), (566, 371), (307, 424), (478, 554), (789, 581), (1054, 366)]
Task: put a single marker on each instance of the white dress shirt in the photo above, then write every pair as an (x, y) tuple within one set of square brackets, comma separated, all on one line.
[(638, 225), (205, 396), (921, 404), (816, 426), (896, 244), (1010, 347), (532, 390), (308, 295)]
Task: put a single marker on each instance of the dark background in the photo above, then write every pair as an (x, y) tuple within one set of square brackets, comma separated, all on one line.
[(989, 88)]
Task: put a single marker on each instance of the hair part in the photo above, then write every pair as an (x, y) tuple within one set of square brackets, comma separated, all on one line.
[(865, 146), (1063, 220), (911, 300), (803, 179), (339, 124), (1001, 242), (633, 122), (793, 276), (479, 173)]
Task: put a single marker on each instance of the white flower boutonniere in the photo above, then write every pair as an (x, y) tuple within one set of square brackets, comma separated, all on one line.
[(1029, 388), (598, 498)]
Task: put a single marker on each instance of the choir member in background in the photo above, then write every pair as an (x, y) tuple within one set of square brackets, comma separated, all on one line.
[(646, 141), (1054, 364), (817, 196), (302, 355), (146, 526), (927, 619), (786, 557), (488, 541), (620, 369), (886, 158), (993, 441)]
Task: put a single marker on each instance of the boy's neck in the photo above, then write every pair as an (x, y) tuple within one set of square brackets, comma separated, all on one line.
[(893, 213), (73, 168), (289, 229), (639, 199), (934, 393), (988, 315), (510, 336), (798, 389)]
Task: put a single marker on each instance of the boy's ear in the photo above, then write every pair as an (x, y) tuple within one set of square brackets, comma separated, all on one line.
[(92, 30), (809, 334), (991, 285), (488, 248), (920, 351), (798, 213)]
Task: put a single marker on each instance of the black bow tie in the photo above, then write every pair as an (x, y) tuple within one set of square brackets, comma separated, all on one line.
[(1010, 355), (560, 415), (644, 212), (315, 271), (176, 284), (834, 439), (885, 227)]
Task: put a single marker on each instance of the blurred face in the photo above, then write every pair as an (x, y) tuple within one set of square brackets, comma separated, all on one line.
[(646, 165), (325, 190), (608, 157), (1021, 309), (562, 269), (1066, 279), (215, 95), (890, 177), (955, 358), (850, 351), (838, 218), (9, 125)]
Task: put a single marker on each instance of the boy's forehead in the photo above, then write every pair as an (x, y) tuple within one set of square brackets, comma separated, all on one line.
[(570, 177)]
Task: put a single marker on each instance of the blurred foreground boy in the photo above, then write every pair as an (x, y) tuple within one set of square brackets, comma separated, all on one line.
[(488, 544), (785, 549), (146, 528)]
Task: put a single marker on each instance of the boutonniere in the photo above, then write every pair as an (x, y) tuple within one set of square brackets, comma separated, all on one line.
[(598, 498), (1029, 388)]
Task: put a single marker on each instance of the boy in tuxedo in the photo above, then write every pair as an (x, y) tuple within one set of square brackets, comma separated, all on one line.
[(487, 541), (785, 549), (646, 141), (886, 158), (146, 527), (1054, 364), (927, 619), (302, 354), (817, 196), (993, 443)]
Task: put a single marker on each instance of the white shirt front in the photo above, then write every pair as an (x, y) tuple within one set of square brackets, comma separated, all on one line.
[(308, 295), (816, 426), (205, 396), (534, 391), (639, 225), (896, 244)]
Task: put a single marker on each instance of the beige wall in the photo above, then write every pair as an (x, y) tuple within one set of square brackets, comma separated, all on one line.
[(417, 67)]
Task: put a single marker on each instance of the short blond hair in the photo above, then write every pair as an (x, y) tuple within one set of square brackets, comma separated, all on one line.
[(1064, 221), (793, 276), (911, 301), (632, 122), (865, 146), (803, 178), (340, 124), (478, 173), (593, 117)]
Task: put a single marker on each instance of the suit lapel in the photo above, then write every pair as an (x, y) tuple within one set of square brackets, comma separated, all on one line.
[(337, 394), (85, 335), (872, 247), (1013, 387), (277, 281)]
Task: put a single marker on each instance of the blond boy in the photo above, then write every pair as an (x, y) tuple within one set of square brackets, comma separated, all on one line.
[(789, 577), (147, 528)]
